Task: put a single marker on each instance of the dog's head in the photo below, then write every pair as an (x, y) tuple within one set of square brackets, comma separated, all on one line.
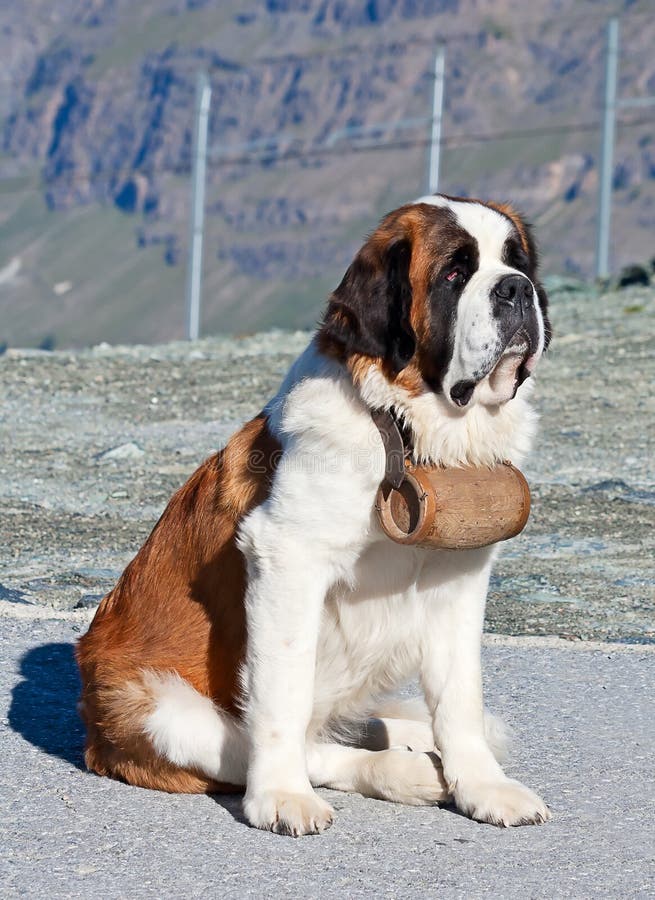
[(444, 296)]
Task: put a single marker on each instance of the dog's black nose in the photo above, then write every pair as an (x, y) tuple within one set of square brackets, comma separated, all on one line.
[(514, 291), (462, 392)]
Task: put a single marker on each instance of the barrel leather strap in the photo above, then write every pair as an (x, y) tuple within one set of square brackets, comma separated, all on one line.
[(394, 446)]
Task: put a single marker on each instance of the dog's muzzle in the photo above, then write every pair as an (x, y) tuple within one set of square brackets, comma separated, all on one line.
[(513, 308)]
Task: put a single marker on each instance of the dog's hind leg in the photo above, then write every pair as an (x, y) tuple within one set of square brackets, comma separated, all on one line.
[(381, 733), (407, 723), (399, 775), (158, 732)]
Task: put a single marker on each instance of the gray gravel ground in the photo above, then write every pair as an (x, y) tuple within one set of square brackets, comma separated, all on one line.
[(95, 442), (583, 721)]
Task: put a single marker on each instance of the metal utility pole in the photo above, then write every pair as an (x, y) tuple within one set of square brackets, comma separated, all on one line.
[(607, 151), (199, 170), (437, 118), (612, 103)]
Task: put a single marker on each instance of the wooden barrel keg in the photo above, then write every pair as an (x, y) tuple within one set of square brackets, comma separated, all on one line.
[(455, 508)]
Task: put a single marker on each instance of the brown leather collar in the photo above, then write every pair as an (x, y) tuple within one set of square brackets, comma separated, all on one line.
[(397, 445)]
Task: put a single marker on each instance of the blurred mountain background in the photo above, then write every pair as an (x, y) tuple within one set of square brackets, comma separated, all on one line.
[(96, 122)]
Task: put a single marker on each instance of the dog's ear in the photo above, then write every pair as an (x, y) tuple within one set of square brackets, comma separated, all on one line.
[(543, 305), (533, 254), (369, 313)]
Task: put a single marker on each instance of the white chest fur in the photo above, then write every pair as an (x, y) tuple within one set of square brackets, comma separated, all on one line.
[(381, 599)]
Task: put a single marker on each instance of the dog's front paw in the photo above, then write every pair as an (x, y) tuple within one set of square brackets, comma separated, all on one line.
[(288, 813), (503, 802)]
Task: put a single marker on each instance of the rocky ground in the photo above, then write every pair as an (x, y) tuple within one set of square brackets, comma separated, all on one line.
[(94, 443)]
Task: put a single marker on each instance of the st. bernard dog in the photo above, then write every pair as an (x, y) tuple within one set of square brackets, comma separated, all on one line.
[(256, 639)]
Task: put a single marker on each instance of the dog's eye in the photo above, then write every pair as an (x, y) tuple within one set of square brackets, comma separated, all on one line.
[(455, 274)]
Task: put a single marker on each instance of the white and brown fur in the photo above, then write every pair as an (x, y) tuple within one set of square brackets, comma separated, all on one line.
[(256, 637)]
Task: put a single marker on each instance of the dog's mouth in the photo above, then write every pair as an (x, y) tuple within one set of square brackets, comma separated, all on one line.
[(505, 373), (512, 369)]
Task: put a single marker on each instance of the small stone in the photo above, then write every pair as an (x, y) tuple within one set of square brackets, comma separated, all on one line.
[(129, 450), (88, 601), (634, 274)]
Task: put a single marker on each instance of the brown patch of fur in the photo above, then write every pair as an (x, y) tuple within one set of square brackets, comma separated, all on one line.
[(408, 378), (425, 258), (430, 249), (436, 236), (358, 365), (411, 380), (507, 210), (179, 606)]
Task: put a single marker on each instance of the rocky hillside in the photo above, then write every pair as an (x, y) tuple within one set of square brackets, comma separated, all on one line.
[(96, 105)]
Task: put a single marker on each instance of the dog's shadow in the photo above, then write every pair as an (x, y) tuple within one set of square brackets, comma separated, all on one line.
[(44, 710), (43, 705)]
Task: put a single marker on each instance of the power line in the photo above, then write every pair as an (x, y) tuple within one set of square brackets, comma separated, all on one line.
[(320, 151), (460, 140)]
